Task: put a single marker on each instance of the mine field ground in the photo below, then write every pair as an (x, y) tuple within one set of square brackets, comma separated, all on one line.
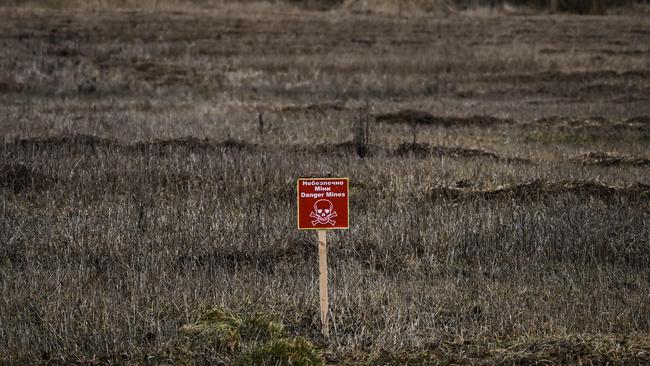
[(499, 170)]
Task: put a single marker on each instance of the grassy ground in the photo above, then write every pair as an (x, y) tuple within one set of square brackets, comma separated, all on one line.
[(501, 214)]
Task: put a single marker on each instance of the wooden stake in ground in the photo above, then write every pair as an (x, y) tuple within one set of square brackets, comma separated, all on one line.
[(323, 205), (324, 296)]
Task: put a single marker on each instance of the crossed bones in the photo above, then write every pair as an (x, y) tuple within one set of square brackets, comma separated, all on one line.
[(325, 218)]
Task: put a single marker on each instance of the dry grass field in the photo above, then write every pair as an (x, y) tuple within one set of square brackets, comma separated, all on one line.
[(499, 168)]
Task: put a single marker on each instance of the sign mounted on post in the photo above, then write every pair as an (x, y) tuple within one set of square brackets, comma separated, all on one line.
[(323, 203)]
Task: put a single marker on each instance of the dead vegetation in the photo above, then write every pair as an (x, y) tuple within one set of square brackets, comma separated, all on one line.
[(425, 150), (604, 159), (538, 189), (78, 141), (593, 123), (596, 350), (149, 161), (318, 108), (425, 118), (417, 117), (349, 148), (18, 177), (190, 144), (89, 143)]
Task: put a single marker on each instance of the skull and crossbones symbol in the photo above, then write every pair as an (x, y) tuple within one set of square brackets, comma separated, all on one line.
[(323, 213)]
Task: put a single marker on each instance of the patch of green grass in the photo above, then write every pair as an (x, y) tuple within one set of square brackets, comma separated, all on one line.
[(243, 339)]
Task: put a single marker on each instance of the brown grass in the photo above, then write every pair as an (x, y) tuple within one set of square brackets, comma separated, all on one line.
[(20, 177), (425, 118), (604, 159), (138, 193), (537, 189), (425, 150)]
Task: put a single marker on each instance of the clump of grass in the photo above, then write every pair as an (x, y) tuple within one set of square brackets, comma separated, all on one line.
[(244, 339)]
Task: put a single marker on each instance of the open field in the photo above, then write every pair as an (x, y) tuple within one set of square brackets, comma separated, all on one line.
[(500, 209)]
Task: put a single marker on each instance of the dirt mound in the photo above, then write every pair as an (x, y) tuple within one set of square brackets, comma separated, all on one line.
[(538, 189), (582, 123), (19, 177), (339, 149), (413, 149), (409, 116), (75, 141), (316, 4), (190, 143), (236, 145), (313, 108), (406, 6), (425, 150), (640, 120), (342, 148), (603, 159), (88, 142), (572, 121), (568, 77)]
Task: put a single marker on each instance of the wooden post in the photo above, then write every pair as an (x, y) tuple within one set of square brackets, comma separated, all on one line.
[(260, 123), (322, 267)]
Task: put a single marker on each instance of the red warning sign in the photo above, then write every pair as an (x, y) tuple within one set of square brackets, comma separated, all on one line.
[(323, 203)]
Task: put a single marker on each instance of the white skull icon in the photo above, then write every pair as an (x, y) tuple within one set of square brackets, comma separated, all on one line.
[(323, 213)]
